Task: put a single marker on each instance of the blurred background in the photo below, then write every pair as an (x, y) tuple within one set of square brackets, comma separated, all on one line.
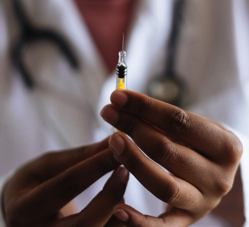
[(57, 70)]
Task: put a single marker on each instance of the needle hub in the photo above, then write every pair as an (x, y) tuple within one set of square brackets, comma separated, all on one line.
[(121, 69)]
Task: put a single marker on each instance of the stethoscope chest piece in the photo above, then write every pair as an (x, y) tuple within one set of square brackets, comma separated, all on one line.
[(167, 88)]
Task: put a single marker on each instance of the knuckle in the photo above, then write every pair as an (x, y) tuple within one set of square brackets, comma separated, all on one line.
[(223, 186), (165, 152), (143, 105), (67, 183), (170, 192), (114, 196), (178, 120), (129, 126), (143, 222), (133, 164), (104, 165), (233, 148)]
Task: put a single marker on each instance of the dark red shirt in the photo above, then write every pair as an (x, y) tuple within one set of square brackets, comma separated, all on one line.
[(106, 21)]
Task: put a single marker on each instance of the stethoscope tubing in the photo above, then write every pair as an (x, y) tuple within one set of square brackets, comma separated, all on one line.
[(29, 35)]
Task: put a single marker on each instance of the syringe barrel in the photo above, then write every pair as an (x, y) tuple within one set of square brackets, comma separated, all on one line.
[(121, 83)]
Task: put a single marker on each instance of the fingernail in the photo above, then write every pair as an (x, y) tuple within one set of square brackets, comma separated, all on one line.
[(123, 174), (119, 98), (110, 115), (121, 215), (117, 144)]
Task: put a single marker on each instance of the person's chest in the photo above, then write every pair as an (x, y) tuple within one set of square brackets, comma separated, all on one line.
[(106, 21)]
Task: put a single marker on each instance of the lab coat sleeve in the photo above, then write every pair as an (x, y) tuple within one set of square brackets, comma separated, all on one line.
[(244, 173), (244, 169)]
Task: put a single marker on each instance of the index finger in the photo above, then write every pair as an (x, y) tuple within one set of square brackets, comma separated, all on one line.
[(199, 133), (53, 163), (61, 189), (50, 165)]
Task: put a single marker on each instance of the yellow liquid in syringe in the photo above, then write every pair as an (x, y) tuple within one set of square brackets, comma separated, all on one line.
[(121, 84)]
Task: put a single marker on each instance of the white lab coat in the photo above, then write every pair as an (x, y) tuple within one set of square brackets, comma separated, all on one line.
[(63, 111)]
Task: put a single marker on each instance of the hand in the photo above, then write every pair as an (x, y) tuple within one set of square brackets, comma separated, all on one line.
[(201, 156), (35, 195)]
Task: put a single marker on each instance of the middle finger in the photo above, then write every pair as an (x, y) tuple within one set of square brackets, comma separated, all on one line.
[(179, 160), (193, 130)]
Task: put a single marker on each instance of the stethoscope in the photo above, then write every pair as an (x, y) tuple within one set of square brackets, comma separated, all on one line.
[(167, 87), (30, 34)]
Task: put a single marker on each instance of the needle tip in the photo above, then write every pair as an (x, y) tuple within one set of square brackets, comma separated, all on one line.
[(123, 43)]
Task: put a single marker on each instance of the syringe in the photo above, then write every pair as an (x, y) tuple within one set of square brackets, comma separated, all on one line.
[(121, 69)]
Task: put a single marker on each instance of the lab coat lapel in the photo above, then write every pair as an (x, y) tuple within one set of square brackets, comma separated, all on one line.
[(73, 118)]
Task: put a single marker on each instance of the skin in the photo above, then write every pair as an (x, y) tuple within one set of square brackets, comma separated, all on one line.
[(201, 157), (39, 190)]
